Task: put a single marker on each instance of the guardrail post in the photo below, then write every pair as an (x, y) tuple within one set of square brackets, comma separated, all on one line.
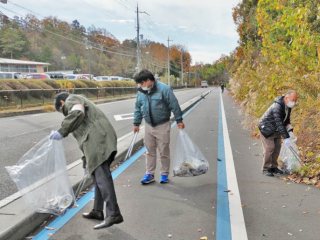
[(42, 96), (97, 93), (21, 99)]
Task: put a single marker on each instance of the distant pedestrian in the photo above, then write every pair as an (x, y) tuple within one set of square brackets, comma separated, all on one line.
[(98, 141), (155, 102), (222, 87), (274, 124)]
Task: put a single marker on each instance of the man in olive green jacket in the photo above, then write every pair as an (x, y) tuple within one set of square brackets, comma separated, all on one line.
[(98, 142)]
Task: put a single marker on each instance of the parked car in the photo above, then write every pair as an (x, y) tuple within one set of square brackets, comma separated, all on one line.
[(78, 76), (204, 84), (109, 78), (102, 78), (37, 76), (56, 75), (10, 75), (115, 78)]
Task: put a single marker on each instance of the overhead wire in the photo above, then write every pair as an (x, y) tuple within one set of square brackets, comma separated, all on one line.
[(92, 44), (88, 41)]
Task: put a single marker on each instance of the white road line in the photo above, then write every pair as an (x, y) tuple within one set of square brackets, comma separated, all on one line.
[(124, 116), (238, 227)]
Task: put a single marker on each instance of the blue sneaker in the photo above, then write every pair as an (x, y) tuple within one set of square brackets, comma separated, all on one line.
[(164, 179), (147, 178)]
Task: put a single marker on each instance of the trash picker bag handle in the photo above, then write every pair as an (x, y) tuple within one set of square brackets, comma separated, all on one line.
[(296, 155), (131, 146), (80, 186)]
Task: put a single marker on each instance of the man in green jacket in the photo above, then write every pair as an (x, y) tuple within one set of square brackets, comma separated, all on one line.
[(98, 142), (155, 102)]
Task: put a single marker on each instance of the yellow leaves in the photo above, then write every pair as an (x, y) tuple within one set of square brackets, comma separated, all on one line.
[(318, 53)]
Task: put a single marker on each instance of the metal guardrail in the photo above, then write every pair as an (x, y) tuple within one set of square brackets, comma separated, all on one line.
[(38, 97)]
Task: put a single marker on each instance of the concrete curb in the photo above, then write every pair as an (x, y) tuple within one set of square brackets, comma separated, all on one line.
[(17, 222)]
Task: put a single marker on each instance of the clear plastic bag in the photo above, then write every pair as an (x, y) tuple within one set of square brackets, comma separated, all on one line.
[(41, 177), (188, 160), (290, 157)]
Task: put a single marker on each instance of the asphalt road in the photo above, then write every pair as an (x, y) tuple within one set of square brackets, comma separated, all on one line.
[(19, 134), (188, 208)]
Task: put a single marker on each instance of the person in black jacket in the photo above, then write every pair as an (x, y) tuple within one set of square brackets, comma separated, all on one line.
[(274, 124)]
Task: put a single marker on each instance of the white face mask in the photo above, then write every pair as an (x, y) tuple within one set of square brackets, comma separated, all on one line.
[(291, 104), (145, 88)]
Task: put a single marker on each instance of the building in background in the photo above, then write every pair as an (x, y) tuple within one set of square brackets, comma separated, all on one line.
[(22, 66)]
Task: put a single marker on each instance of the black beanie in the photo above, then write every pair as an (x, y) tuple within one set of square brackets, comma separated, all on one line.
[(57, 100)]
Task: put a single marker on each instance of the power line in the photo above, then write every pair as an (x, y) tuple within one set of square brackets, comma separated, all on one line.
[(37, 14), (92, 44)]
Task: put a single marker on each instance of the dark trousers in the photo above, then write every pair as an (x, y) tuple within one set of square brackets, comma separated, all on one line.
[(104, 190)]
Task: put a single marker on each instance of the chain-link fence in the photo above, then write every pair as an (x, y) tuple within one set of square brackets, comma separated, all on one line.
[(37, 97)]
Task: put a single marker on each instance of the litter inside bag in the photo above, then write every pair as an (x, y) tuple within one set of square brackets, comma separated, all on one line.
[(41, 177), (290, 157), (188, 160)]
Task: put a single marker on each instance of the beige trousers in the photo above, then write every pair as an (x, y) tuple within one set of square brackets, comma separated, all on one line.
[(157, 138), (271, 151)]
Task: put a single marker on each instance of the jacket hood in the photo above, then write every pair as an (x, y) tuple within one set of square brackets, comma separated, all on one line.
[(280, 100)]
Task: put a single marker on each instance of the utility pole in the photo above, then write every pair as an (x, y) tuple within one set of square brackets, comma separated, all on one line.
[(138, 67), (182, 66), (169, 61), (138, 42)]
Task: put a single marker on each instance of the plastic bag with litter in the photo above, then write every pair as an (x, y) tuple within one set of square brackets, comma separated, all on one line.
[(41, 177), (188, 160), (290, 156)]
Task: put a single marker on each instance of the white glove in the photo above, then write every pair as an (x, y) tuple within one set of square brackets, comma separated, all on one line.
[(287, 142), (293, 137), (55, 135)]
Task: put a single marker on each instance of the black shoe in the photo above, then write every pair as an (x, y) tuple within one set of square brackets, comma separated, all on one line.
[(94, 214), (268, 173), (109, 221), (277, 171)]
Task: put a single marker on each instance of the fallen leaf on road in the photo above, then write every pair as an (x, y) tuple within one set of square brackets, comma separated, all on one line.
[(300, 230), (199, 230), (169, 235), (305, 212), (290, 234), (284, 206)]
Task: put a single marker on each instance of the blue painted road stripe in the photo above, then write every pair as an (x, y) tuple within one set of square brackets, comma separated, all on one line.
[(223, 228), (60, 221)]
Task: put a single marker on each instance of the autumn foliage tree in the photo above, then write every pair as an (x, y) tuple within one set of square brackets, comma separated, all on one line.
[(279, 50)]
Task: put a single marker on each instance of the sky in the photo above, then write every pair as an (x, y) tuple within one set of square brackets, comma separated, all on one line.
[(204, 27)]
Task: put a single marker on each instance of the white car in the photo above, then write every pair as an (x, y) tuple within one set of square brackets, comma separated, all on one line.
[(102, 78), (10, 75), (204, 84), (77, 76)]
